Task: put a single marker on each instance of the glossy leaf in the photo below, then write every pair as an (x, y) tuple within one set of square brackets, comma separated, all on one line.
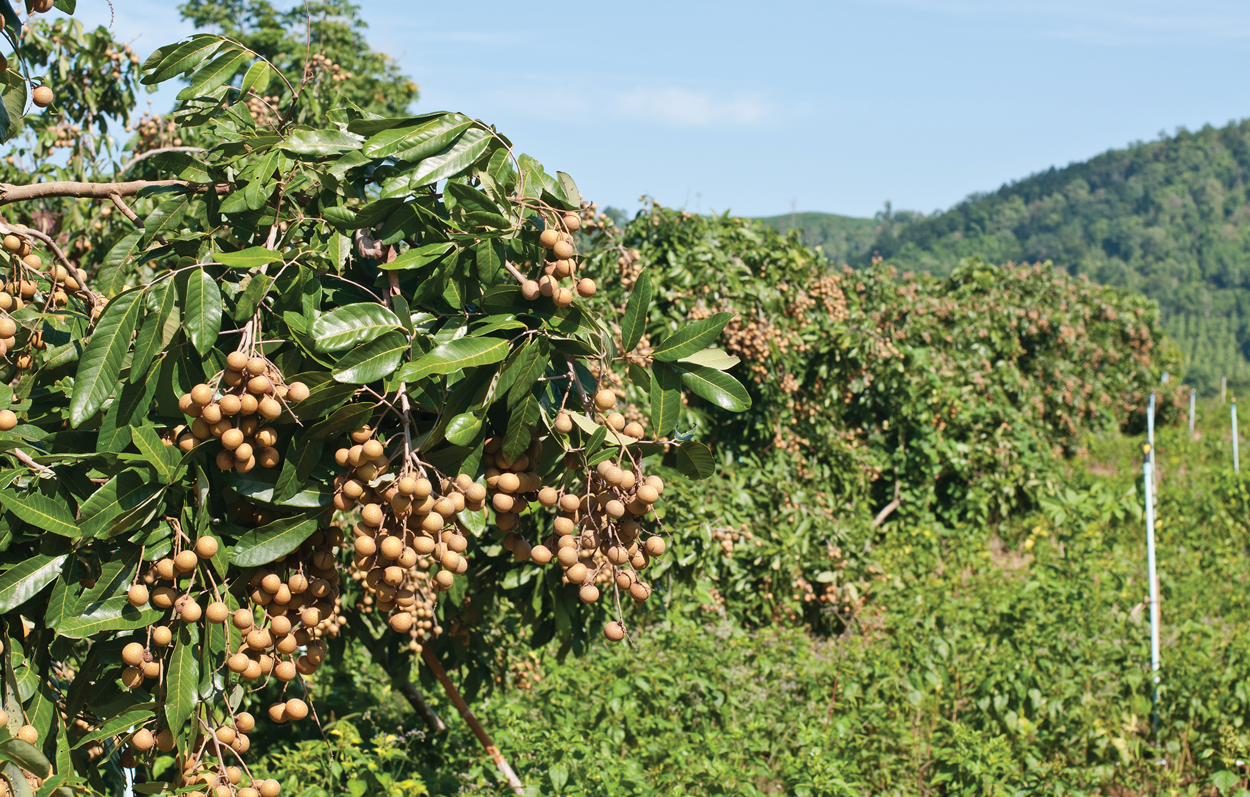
[(201, 309), (717, 387), (42, 512), (352, 325), (372, 361), (634, 322), (462, 429), (691, 338), (694, 461), (455, 355), (665, 399), (182, 678), (279, 538), (253, 257), (101, 362), (26, 579)]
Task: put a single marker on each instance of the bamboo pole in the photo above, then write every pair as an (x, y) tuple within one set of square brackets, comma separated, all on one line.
[(471, 720), (1193, 397), (1236, 458)]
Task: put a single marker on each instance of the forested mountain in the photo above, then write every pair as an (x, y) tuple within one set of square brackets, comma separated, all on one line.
[(842, 237), (1169, 218)]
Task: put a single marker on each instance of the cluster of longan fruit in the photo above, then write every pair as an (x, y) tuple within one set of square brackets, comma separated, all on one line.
[(424, 622), (66, 136), (256, 393), (154, 132), (562, 264), (25, 284), (197, 768), (261, 110), (512, 483), (403, 521), (320, 63)]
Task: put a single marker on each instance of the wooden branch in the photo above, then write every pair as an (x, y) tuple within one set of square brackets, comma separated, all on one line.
[(25, 459), (410, 693), (124, 208), (157, 151), (516, 275), (889, 508), (68, 188), (466, 714)]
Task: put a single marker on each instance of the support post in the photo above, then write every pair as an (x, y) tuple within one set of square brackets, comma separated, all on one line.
[(1236, 458), (1148, 478), (1223, 389), (1193, 397)]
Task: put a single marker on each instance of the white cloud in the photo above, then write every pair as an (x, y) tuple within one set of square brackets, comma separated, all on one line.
[(685, 108)]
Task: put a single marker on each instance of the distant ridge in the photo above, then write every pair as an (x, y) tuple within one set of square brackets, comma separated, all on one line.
[(1169, 218), (842, 237)]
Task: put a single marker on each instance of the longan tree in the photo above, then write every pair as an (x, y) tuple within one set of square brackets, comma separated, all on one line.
[(276, 358)]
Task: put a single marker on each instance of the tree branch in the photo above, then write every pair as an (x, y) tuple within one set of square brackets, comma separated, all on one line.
[(67, 188), (889, 508)]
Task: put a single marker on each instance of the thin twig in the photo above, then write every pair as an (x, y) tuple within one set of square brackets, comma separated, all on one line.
[(157, 151), (25, 459)]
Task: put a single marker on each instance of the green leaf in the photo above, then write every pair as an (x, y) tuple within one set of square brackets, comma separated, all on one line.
[(26, 579), (156, 332), (634, 324), (320, 142), (42, 512), (18, 785), (117, 504), (182, 678), (418, 140), (719, 388), (419, 256), (665, 398), (165, 460), (101, 362), (163, 64), (694, 461), (525, 416), (252, 257), (112, 277), (351, 325), (454, 159), (527, 369), (373, 361), (26, 756), (711, 358), (257, 77), (454, 355), (216, 73), (301, 457), (119, 724), (691, 338), (112, 614), (570, 188), (267, 543), (201, 309), (462, 429)]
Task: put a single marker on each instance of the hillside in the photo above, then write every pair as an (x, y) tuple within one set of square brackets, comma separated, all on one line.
[(842, 237), (1169, 218)]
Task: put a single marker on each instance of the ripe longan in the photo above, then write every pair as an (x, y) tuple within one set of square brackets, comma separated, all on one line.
[(137, 595), (42, 96), (202, 394), (614, 631), (217, 612), (143, 740), (132, 677), (133, 654), (296, 709), (236, 360), (563, 250), (564, 424), (162, 636), (256, 366), (605, 400), (586, 287), (297, 392), (548, 238), (28, 734)]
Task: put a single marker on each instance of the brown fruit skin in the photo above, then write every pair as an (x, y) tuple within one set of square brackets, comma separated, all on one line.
[(217, 612), (143, 740), (563, 250), (605, 400), (133, 654), (236, 360), (297, 391), (244, 722), (42, 96), (654, 546), (137, 595), (132, 677), (614, 631), (296, 709), (162, 636), (586, 288), (572, 222), (28, 734), (549, 238)]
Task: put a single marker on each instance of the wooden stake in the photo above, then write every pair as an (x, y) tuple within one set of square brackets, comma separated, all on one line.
[(467, 715)]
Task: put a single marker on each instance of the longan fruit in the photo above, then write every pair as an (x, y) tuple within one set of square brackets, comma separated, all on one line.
[(232, 439), (230, 405), (217, 612), (530, 290), (605, 400), (186, 561), (540, 555), (165, 740), (586, 287), (616, 421), (310, 617), (614, 631), (401, 622), (137, 595), (563, 250), (202, 394), (361, 435), (296, 709), (238, 663), (143, 740), (260, 385), (269, 788), (269, 408), (563, 297), (236, 360), (8, 327), (633, 429), (211, 413), (190, 611), (277, 713), (268, 458), (232, 378), (372, 449), (225, 734), (297, 392), (256, 366), (589, 593), (242, 619), (639, 591), (225, 459), (285, 672), (549, 237), (132, 677), (577, 573), (206, 547), (244, 722), (133, 654), (42, 96), (248, 405), (219, 428), (28, 734), (162, 636), (444, 579), (647, 494), (12, 243), (572, 222)]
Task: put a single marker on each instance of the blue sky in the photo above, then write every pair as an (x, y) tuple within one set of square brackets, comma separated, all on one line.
[(834, 106)]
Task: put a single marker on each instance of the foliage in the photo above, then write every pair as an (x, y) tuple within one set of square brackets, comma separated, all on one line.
[(991, 661), (966, 392), (841, 238), (302, 343), (1167, 218)]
